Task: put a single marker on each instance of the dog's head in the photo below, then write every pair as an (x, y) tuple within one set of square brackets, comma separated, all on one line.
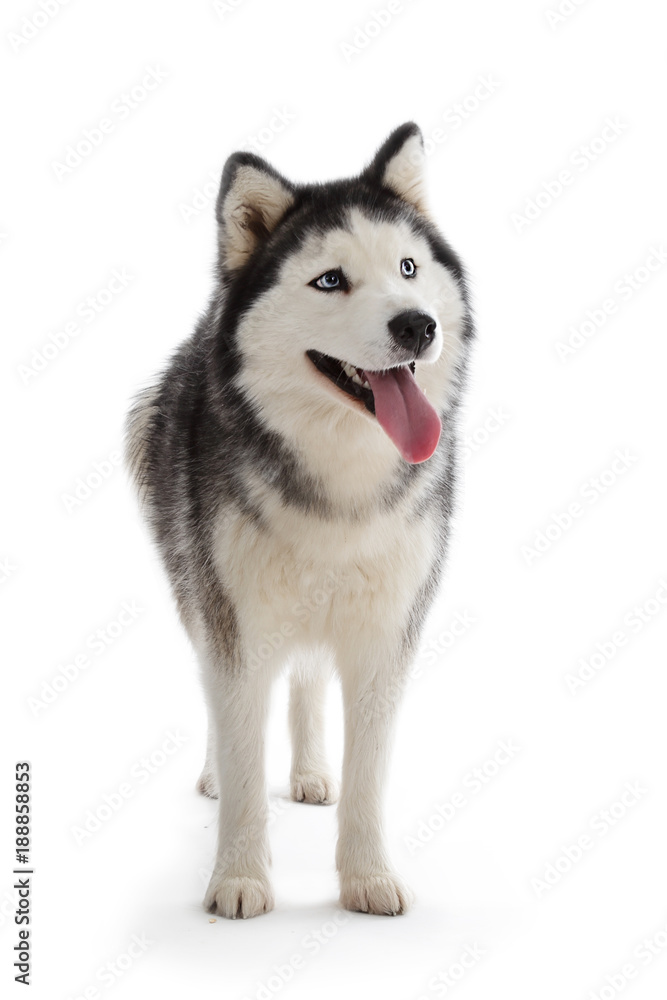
[(341, 300)]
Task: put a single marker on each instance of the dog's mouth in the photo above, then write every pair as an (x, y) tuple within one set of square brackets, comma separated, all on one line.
[(348, 378), (393, 397)]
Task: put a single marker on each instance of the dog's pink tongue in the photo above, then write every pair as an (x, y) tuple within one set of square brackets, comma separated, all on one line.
[(404, 413)]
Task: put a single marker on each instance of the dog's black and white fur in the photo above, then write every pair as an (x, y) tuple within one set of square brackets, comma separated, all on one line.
[(294, 530)]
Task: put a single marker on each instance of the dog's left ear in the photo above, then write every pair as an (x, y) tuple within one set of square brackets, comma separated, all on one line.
[(252, 200), (399, 165)]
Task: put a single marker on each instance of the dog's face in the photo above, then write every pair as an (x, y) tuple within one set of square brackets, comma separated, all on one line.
[(346, 291)]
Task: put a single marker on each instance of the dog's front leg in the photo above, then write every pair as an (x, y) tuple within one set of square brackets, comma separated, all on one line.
[(238, 704), (367, 880)]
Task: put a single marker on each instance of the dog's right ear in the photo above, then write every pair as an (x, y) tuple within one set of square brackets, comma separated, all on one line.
[(253, 198)]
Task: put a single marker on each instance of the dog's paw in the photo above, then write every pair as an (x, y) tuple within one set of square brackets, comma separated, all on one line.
[(316, 787), (207, 784), (235, 896), (383, 893)]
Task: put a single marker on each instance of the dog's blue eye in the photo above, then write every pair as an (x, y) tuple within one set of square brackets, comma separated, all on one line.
[(328, 280), (408, 268), (331, 281)]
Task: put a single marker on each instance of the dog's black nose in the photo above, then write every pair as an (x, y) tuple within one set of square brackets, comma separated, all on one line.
[(413, 330)]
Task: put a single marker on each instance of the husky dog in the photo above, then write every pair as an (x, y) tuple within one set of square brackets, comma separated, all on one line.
[(295, 462)]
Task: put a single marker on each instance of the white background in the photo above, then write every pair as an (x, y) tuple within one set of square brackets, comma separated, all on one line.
[(67, 569)]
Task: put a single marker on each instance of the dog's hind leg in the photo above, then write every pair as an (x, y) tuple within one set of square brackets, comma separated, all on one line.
[(310, 778)]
